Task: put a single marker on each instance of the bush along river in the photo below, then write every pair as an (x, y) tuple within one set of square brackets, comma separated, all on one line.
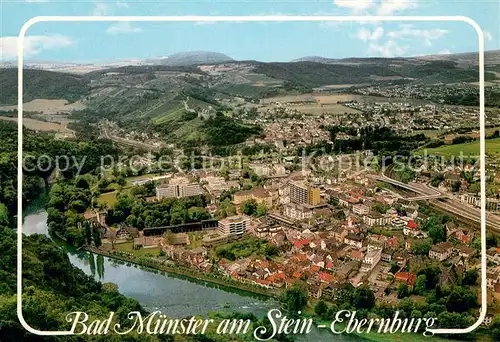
[(174, 295)]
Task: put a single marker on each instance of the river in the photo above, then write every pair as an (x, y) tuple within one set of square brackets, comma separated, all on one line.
[(174, 295)]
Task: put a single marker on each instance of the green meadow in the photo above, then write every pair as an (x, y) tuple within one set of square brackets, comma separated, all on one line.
[(466, 149)]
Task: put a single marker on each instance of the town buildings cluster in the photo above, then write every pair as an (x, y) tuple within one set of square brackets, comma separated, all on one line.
[(329, 233)]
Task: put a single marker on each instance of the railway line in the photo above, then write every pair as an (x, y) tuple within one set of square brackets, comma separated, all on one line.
[(446, 203)]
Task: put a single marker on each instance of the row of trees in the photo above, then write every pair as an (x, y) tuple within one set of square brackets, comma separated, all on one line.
[(139, 213), (251, 208)]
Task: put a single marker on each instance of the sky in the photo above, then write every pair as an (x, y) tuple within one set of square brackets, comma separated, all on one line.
[(91, 42)]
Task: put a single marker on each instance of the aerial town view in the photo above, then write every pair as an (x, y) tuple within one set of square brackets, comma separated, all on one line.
[(198, 184)]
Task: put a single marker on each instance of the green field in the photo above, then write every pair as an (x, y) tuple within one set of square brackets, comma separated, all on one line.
[(108, 198), (128, 247), (466, 149), (170, 115)]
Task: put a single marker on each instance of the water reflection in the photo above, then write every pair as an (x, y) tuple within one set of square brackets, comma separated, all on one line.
[(175, 295)]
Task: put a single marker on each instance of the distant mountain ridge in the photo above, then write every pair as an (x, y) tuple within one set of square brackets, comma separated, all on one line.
[(195, 58), (316, 59), (191, 58), (466, 58)]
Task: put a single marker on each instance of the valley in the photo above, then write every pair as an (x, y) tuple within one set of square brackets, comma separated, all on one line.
[(327, 184)]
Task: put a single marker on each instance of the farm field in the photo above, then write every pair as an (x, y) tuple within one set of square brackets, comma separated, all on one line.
[(342, 86), (47, 106), (318, 109), (128, 247), (108, 198), (38, 125), (334, 98), (466, 149)]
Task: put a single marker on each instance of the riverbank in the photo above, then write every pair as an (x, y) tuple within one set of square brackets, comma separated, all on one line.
[(199, 276), (187, 272)]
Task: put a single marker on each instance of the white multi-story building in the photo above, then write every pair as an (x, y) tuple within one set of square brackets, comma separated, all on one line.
[(297, 211), (178, 190), (376, 219), (360, 209), (190, 190), (441, 251), (215, 184), (372, 258), (234, 225)]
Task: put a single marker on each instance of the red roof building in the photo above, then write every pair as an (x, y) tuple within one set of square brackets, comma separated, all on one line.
[(412, 225), (301, 243), (326, 277), (405, 277)]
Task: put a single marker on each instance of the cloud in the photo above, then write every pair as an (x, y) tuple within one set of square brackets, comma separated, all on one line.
[(366, 35), (122, 4), (123, 27), (390, 7), (488, 36), (33, 45), (410, 31), (384, 7), (444, 52), (100, 9), (387, 49), (35, 1), (355, 5)]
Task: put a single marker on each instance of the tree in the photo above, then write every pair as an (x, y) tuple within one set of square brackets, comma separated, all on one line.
[(261, 210), (87, 233), (363, 298), (82, 183), (455, 187), (421, 247), (196, 214), (495, 328), (381, 208), (249, 207), (294, 299), (461, 299), (420, 284), (437, 234), (4, 215), (78, 206), (431, 276), (96, 236), (470, 277), (131, 220), (226, 208), (121, 181), (403, 291), (321, 309), (394, 267), (491, 240), (339, 215), (225, 194), (333, 201)]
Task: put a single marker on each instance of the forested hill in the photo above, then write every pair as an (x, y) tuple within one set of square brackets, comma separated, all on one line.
[(35, 145), (42, 84), (352, 71), (52, 288)]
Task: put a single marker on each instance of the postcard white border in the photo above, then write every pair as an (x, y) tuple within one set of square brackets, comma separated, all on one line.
[(39, 19)]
